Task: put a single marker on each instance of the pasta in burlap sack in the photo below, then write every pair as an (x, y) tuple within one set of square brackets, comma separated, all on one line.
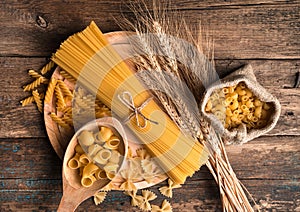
[(241, 134)]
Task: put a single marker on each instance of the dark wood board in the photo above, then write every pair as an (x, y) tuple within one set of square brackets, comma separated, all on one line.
[(264, 33), (262, 29), (278, 76), (268, 166)]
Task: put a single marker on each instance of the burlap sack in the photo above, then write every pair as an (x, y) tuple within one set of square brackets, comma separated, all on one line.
[(241, 135)]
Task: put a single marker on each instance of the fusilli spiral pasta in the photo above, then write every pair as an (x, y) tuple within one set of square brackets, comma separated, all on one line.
[(35, 84), (47, 67), (37, 100)]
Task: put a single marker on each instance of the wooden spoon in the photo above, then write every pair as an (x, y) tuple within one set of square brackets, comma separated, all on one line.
[(73, 192)]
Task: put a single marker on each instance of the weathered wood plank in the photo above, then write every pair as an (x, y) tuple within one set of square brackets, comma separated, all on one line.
[(263, 29), (35, 158), (278, 76), (269, 167), (279, 195)]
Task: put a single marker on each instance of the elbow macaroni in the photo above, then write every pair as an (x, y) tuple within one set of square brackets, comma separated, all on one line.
[(238, 106)]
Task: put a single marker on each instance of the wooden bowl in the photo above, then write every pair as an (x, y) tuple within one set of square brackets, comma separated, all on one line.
[(60, 137)]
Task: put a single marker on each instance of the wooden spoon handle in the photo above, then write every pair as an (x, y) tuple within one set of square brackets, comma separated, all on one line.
[(72, 198), (67, 204)]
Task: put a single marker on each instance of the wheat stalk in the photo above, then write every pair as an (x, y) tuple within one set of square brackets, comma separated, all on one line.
[(161, 75)]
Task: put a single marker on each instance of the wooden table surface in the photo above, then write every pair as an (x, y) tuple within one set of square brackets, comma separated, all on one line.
[(265, 33)]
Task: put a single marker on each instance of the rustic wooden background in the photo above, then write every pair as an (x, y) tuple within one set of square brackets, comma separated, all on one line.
[(265, 33)]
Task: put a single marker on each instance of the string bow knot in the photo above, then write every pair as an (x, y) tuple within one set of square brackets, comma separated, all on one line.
[(127, 99)]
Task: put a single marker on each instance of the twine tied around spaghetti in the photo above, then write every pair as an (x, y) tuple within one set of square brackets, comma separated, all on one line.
[(127, 99)]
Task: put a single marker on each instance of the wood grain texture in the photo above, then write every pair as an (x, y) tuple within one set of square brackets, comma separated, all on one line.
[(264, 33), (241, 30), (35, 183), (278, 76)]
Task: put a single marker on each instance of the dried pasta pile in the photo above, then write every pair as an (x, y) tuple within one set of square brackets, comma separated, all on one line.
[(102, 159), (140, 164), (37, 87), (236, 105)]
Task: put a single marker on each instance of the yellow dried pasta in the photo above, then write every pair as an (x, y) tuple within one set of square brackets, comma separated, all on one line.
[(35, 84), (47, 67), (241, 106), (59, 121), (38, 101), (97, 154), (147, 197), (143, 153), (74, 162), (135, 199), (29, 100), (65, 90), (67, 76), (68, 120), (34, 74), (127, 184), (50, 90), (165, 207), (60, 101), (168, 190), (99, 197)]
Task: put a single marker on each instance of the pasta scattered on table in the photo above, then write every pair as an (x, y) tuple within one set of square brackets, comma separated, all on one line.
[(99, 197), (35, 84), (37, 99), (168, 190), (165, 207), (47, 67)]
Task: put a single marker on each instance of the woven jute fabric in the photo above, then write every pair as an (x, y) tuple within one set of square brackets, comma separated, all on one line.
[(241, 134)]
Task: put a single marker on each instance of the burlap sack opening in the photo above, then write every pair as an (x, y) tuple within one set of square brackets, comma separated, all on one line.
[(241, 134)]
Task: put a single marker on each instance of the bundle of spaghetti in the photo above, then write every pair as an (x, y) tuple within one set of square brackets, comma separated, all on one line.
[(88, 57)]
